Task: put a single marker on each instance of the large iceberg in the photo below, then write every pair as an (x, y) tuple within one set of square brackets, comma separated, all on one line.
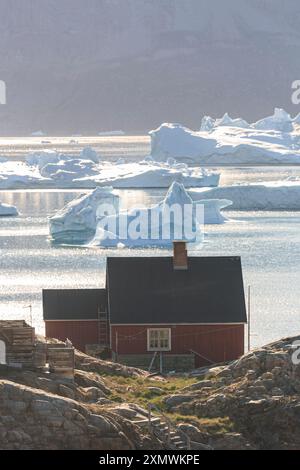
[(6, 210), (225, 145), (86, 220), (154, 226), (280, 195), (77, 221)]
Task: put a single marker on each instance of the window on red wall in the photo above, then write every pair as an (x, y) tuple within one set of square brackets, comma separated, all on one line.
[(159, 339)]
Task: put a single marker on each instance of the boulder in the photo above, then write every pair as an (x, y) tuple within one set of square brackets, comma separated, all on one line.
[(174, 400), (66, 391)]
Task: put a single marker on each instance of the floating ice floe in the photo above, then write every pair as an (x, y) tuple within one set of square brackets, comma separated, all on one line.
[(77, 221), (38, 134), (19, 175), (52, 169), (224, 145), (111, 133), (279, 195), (149, 174), (7, 210)]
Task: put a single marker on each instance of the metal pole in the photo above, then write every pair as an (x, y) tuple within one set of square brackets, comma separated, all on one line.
[(161, 362), (249, 318), (30, 312), (117, 345)]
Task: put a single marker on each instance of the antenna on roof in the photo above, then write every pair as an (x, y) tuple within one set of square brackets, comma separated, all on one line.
[(249, 317)]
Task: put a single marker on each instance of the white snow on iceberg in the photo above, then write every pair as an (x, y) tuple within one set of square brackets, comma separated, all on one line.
[(208, 123), (280, 121), (280, 195), (224, 145), (7, 210), (77, 221)]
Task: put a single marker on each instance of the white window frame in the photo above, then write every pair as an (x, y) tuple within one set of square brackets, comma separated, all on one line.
[(167, 348)]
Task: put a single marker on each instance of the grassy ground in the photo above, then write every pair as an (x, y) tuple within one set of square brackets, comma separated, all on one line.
[(136, 390), (140, 390)]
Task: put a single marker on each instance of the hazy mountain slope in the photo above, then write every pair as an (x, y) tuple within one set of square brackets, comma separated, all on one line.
[(74, 66)]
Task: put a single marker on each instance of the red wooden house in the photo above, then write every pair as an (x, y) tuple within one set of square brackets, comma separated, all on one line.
[(170, 313)]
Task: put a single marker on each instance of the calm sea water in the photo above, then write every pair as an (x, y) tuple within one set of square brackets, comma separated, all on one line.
[(268, 242)]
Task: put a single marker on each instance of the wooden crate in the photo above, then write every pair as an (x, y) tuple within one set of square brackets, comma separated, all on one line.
[(60, 359)]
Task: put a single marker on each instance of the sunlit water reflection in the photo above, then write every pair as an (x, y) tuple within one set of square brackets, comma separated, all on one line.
[(269, 243)]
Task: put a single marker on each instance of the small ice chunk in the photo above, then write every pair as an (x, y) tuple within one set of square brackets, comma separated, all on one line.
[(7, 210)]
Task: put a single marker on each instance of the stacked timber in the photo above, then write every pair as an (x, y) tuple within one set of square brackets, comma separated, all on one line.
[(61, 360), (20, 341)]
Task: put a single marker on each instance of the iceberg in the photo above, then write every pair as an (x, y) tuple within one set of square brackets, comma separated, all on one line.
[(111, 133), (77, 221), (38, 134), (159, 222), (19, 175), (81, 221), (224, 145), (87, 171), (280, 121), (66, 171), (147, 227), (212, 210), (208, 123), (296, 119), (7, 210), (264, 196), (226, 120), (149, 174)]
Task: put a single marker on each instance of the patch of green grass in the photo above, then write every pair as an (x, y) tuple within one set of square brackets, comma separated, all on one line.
[(136, 389), (219, 425)]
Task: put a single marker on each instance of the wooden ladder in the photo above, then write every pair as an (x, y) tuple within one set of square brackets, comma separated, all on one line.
[(102, 328)]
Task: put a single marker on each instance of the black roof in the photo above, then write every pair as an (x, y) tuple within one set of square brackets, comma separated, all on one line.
[(148, 290), (73, 304)]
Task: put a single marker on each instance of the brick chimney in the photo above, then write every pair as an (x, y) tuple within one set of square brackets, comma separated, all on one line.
[(180, 256)]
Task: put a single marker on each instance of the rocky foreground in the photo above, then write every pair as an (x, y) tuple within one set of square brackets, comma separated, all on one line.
[(252, 403), (257, 397), (45, 411)]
